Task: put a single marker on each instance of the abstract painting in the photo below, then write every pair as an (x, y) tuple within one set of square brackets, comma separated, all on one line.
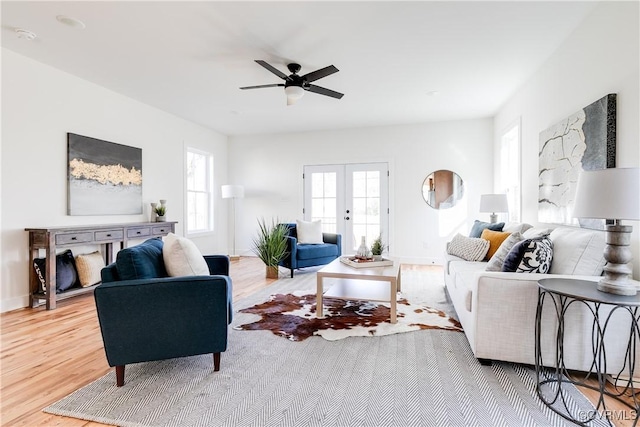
[(585, 140), (104, 178)]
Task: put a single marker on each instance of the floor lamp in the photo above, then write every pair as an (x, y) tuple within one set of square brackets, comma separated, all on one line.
[(493, 203), (612, 193), (233, 192)]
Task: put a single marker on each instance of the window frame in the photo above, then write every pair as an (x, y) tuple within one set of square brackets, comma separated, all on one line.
[(209, 191), (515, 200)]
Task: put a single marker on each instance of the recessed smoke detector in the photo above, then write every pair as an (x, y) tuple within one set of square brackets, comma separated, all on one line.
[(25, 34), (71, 21)]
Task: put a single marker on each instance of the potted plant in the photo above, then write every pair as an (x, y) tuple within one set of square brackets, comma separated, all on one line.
[(377, 247), (161, 211), (270, 245)]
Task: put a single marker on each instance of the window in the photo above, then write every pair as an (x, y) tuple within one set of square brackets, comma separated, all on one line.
[(199, 191), (510, 169)]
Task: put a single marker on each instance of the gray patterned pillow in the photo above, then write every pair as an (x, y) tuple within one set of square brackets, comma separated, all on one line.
[(468, 248), (496, 261), (530, 256)]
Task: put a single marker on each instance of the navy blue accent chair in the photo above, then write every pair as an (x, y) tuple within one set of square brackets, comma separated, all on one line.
[(145, 315), (308, 255)]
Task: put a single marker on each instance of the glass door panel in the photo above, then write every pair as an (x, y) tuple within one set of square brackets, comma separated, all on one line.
[(352, 200)]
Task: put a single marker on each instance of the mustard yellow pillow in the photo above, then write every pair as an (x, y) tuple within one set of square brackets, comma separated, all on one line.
[(495, 239)]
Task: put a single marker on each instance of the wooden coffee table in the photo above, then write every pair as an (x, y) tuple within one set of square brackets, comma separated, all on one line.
[(362, 284)]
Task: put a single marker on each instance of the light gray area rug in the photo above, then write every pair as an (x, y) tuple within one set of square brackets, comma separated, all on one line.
[(421, 378)]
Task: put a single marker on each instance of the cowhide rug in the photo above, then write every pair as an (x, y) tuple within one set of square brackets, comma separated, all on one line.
[(293, 316)]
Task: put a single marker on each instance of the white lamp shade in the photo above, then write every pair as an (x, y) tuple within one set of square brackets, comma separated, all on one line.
[(494, 203), (293, 94), (232, 192), (612, 193)]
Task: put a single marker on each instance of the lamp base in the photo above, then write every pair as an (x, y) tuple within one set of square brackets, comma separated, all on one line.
[(620, 287), (493, 218), (617, 273)]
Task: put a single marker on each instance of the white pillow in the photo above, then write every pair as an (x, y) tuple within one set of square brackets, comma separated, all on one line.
[(496, 261), (535, 232), (516, 227), (182, 257), (577, 251), (309, 232), (468, 248), (89, 267)]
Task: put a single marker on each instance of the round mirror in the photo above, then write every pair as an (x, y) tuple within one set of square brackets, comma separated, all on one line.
[(442, 189)]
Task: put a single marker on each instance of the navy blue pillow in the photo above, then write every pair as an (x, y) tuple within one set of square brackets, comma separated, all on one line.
[(66, 273), (479, 227), (530, 256), (143, 261)]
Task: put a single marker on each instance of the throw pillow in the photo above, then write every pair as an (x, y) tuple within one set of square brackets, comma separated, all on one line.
[(497, 260), (479, 227), (143, 261), (530, 256), (66, 273), (495, 239), (578, 251), (183, 258), (535, 232), (468, 248), (512, 227), (309, 232), (89, 267)]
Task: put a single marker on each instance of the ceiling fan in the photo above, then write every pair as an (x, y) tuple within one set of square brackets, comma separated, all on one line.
[(295, 85)]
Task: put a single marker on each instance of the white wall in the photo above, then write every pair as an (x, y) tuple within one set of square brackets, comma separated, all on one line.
[(600, 57), (40, 105), (270, 167)]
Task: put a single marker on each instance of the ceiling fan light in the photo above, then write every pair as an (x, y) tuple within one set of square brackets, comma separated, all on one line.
[(293, 94)]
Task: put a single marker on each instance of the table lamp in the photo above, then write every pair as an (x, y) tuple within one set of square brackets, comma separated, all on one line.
[(233, 192), (494, 203), (612, 193)]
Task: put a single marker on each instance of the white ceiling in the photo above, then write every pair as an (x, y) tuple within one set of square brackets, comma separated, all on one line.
[(190, 58)]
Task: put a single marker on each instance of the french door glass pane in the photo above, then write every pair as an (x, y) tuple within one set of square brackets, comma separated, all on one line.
[(350, 199), (323, 200), (366, 206)]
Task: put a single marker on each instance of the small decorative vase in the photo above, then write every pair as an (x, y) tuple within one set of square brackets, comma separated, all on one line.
[(363, 250), (161, 218), (153, 212), (377, 257), (272, 272)]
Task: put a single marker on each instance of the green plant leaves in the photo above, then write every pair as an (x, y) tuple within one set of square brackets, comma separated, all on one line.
[(270, 244)]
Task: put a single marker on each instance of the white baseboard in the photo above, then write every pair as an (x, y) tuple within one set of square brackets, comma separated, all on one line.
[(623, 381), (420, 261), (15, 303)]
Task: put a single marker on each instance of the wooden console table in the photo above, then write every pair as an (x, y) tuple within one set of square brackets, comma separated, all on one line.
[(52, 238)]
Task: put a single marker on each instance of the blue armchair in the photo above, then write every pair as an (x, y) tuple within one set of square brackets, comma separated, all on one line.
[(308, 255), (145, 315)]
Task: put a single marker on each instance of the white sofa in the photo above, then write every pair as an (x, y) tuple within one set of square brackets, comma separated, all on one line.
[(498, 309)]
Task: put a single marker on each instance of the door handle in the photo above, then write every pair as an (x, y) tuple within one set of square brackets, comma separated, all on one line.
[(347, 218)]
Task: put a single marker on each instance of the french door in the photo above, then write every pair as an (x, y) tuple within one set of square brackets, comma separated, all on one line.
[(351, 200)]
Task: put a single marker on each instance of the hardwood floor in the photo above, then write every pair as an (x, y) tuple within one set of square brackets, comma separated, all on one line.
[(46, 355)]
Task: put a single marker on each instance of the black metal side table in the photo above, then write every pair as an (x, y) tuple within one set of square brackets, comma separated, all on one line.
[(553, 377)]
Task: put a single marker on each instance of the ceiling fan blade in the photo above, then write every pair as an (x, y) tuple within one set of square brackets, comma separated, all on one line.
[(261, 86), (273, 69), (318, 74), (324, 91)]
